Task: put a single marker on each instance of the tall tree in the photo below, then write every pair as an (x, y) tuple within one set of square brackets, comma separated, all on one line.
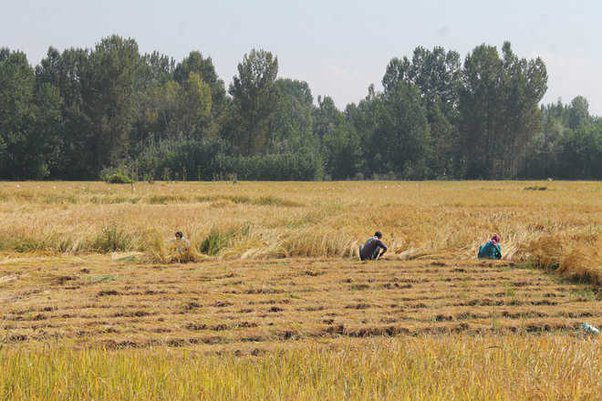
[(579, 113), (524, 82), (402, 136), (108, 91), (341, 143), (64, 71), (18, 158), (365, 118), (154, 88), (47, 136), (544, 149), (203, 66), (499, 110), (292, 127), (436, 73), (193, 118), (254, 98)]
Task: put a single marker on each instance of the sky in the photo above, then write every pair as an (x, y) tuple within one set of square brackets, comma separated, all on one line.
[(338, 47)]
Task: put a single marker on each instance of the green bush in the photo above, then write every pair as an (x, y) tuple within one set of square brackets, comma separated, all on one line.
[(116, 177), (179, 158), (215, 241), (298, 166), (113, 239)]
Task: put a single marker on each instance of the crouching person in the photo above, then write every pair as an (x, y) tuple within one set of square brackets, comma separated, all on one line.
[(180, 249), (492, 249), (374, 248), (180, 243)]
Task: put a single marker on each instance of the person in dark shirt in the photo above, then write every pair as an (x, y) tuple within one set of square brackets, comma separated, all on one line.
[(373, 248)]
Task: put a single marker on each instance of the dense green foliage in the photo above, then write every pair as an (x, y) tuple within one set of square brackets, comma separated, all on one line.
[(89, 113)]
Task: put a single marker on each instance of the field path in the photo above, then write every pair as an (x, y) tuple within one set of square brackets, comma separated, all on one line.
[(249, 305)]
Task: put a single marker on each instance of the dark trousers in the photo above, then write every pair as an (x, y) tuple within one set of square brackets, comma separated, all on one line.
[(373, 256)]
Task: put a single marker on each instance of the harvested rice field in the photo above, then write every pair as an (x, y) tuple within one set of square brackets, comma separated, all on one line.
[(249, 306), (272, 302)]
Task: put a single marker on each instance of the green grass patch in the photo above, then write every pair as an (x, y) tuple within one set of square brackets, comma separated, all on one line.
[(113, 239), (585, 293), (23, 245), (215, 241), (104, 278), (243, 199), (166, 199), (273, 201)]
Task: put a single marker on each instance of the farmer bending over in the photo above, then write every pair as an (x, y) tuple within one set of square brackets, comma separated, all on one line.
[(492, 249), (180, 244), (371, 250)]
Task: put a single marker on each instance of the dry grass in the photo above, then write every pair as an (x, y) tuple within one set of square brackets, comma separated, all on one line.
[(576, 256), (267, 220)]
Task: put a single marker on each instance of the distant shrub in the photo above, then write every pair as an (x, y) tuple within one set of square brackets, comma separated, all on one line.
[(117, 176), (209, 159), (184, 158), (298, 166)]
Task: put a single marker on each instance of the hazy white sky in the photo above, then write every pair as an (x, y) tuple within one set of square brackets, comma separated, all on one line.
[(338, 47)]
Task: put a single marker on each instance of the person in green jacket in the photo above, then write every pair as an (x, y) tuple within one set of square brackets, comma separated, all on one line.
[(492, 249)]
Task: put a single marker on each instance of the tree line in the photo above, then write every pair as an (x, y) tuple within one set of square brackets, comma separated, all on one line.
[(88, 113)]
